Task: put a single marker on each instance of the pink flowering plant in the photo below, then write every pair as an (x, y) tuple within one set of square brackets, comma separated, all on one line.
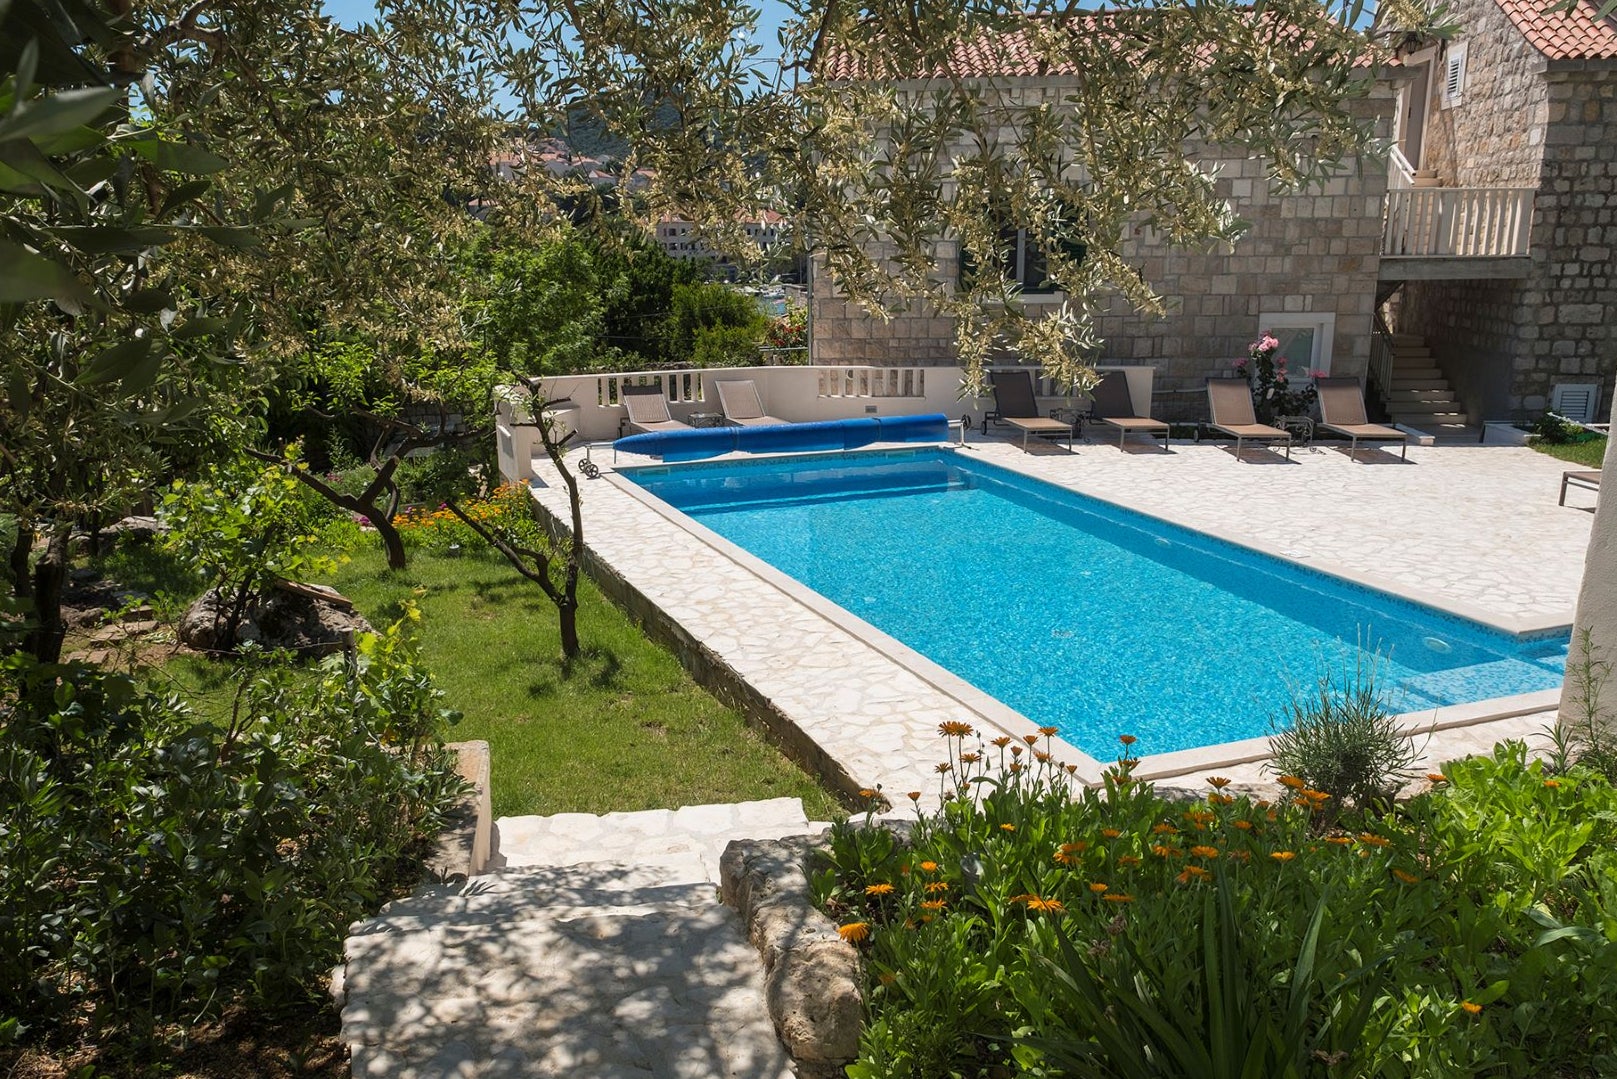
[(1272, 395)]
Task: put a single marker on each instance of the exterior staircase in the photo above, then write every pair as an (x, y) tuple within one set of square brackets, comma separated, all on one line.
[(592, 948), (1419, 396)]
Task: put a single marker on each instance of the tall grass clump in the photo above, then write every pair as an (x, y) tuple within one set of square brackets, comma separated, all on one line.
[(1342, 737)]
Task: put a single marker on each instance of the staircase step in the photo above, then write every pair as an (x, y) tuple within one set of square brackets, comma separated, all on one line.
[(1400, 384), (1409, 354), (1417, 370), (1407, 395), (1428, 421), (1409, 339), (1425, 406), (571, 838)]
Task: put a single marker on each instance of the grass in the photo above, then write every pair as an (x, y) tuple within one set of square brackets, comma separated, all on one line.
[(1589, 454), (623, 728)]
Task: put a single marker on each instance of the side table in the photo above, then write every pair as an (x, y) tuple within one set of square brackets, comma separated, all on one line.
[(708, 419), (1301, 428)]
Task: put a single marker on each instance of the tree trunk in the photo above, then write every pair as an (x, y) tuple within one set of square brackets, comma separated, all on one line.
[(567, 615), (22, 586), (44, 642), (391, 541)]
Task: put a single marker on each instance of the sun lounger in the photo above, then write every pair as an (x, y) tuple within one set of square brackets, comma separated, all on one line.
[(741, 403), (647, 407), (1014, 404), (1586, 479), (1341, 411), (1114, 407), (1229, 400)]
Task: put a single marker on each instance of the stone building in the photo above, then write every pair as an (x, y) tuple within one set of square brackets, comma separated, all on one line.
[(1466, 280), (1523, 99)]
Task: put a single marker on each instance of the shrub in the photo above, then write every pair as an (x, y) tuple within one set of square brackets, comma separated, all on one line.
[(155, 867), (1343, 740), (437, 529), (1028, 928)]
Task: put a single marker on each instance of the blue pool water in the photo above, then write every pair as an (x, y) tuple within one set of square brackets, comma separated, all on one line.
[(1079, 614)]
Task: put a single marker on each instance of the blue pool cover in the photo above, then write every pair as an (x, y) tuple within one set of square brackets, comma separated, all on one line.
[(699, 442)]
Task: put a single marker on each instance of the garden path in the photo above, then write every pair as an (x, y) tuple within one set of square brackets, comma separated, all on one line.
[(595, 947)]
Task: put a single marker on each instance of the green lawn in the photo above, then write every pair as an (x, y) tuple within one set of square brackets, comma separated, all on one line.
[(1589, 454), (625, 728)]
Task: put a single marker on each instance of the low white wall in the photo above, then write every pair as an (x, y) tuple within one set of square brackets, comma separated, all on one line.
[(800, 394)]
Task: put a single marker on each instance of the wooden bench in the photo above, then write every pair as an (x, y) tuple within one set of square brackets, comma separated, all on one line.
[(1588, 480)]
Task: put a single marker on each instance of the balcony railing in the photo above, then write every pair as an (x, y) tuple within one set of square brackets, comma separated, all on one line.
[(1458, 222)]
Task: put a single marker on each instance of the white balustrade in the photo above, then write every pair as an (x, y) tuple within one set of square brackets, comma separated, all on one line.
[(1458, 222)]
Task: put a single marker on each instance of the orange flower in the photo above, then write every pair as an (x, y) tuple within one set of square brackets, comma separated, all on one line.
[(914, 796), (1244, 825), (1218, 782), (1293, 782), (1072, 769), (1470, 1008), (1016, 751), (1192, 872), (1127, 739), (933, 904), (1200, 816), (1374, 840), (879, 889), (1283, 855), (1001, 742), (1049, 732), (854, 932), (1043, 905), (1007, 827), (954, 728), (1164, 829), (1041, 756), (1407, 878), (1552, 783), (1239, 855), (1117, 897), (970, 758), (1220, 800), (867, 793), (1339, 840), (1065, 853), (1110, 833), (929, 867), (1437, 777), (1097, 887), (944, 768), (1205, 852), (1128, 859), (936, 887)]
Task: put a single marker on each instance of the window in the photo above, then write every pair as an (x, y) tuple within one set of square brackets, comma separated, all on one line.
[(1453, 75), (1305, 339), (1020, 260)]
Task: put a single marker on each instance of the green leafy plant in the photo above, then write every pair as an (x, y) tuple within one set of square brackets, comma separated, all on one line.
[(240, 528), (1343, 740), (155, 866), (1272, 393)]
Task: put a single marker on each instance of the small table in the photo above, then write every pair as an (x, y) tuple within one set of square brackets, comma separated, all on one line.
[(1301, 428), (708, 419), (1071, 416)]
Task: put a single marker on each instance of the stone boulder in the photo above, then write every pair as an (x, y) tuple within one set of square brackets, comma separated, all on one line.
[(310, 620)]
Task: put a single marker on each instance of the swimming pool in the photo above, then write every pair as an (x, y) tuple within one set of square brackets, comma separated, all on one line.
[(1080, 614)]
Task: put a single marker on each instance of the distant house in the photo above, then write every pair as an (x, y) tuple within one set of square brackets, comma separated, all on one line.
[(680, 239), (1471, 281)]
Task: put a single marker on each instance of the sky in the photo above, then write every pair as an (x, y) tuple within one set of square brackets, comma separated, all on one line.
[(354, 12)]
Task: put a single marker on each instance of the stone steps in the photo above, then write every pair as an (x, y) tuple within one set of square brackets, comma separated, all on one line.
[(598, 949), (1420, 395)]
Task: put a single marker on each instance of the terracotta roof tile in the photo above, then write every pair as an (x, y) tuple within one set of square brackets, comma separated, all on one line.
[(1576, 34)]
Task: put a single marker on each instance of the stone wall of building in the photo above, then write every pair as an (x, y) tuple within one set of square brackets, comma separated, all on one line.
[(1505, 344), (1495, 136), (1311, 253)]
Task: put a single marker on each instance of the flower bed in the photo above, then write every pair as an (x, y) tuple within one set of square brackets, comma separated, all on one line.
[(1031, 930)]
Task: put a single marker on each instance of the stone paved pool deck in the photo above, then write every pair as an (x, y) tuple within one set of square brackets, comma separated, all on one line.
[(1471, 529)]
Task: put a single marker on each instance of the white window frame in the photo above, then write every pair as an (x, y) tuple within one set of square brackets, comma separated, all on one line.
[(1452, 90), (1323, 323)]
